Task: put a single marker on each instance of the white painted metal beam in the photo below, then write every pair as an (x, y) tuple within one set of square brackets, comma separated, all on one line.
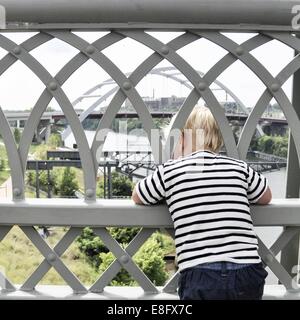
[(103, 213), (270, 12)]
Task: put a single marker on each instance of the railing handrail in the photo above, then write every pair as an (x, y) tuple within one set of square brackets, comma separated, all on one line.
[(168, 11), (102, 213)]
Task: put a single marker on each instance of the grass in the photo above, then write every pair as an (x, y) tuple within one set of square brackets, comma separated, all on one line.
[(19, 258), (35, 147), (31, 193)]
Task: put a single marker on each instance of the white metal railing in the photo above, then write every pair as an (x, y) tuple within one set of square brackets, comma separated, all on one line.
[(77, 214)]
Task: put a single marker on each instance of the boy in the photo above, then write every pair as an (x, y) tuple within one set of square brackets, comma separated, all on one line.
[(208, 197)]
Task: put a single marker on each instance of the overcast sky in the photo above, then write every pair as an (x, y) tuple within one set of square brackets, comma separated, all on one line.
[(20, 88)]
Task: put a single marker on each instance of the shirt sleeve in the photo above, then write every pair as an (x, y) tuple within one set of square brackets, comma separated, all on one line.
[(257, 185), (151, 189)]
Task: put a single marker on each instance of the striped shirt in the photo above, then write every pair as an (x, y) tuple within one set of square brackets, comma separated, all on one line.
[(208, 197)]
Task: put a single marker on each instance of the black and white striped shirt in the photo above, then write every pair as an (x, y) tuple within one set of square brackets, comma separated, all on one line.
[(208, 196)]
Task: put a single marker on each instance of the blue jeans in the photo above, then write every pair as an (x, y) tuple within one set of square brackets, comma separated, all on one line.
[(222, 281)]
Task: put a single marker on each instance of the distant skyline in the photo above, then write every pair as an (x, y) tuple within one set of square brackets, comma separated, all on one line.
[(20, 88)]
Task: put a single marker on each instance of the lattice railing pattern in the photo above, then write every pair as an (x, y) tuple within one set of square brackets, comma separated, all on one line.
[(127, 90)]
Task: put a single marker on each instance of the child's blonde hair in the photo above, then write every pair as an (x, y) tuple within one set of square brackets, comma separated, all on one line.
[(202, 119)]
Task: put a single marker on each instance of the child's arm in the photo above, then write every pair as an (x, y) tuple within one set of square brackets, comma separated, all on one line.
[(150, 190), (135, 197), (266, 197), (258, 189)]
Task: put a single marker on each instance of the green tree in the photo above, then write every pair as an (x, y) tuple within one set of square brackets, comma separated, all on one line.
[(254, 144), (91, 245), (149, 258), (55, 140), (123, 235), (123, 278), (43, 179), (280, 147), (31, 178), (41, 152), (276, 145), (2, 164), (265, 144), (68, 184), (121, 186), (17, 135), (100, 188)]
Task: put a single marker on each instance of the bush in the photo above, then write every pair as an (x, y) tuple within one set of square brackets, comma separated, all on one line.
[(41, 152), (91, 245), (265, 144), (124, 235), (280, 146), (43, 179), (17, 135), (150, 260), (123, 278), (55, 140), (30, 178), (121, 185), (276, 145), (68, 184), (2, 164), (62, 181)]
